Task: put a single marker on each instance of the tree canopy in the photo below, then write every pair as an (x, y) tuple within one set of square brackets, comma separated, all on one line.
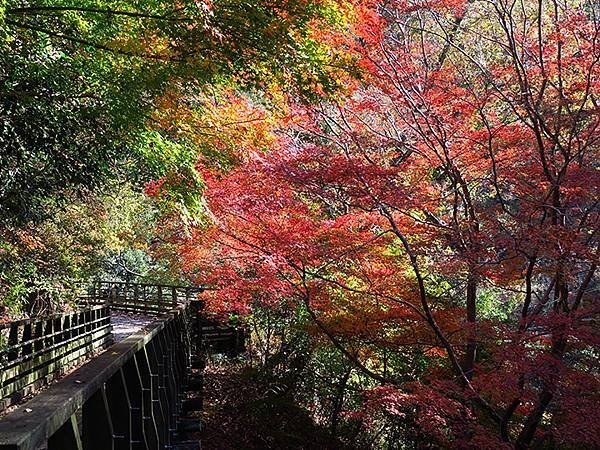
[(398, 199), (88, 92), (439, 226), (80, 80)]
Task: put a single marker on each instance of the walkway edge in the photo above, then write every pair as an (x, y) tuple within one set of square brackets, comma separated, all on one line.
[(29, 426)]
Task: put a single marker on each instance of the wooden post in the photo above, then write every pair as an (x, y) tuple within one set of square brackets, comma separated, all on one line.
[(160, 297), (13, 339), (75, 325), (39, 332), (57, 327), (136, 296), (66, 328), (49, 328), (27, 336)]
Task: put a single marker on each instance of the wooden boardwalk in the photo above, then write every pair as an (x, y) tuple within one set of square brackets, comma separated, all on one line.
[(145, 346)]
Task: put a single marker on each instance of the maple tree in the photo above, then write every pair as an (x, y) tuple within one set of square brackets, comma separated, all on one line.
[(445, 213), (84, 90), (401, 195)]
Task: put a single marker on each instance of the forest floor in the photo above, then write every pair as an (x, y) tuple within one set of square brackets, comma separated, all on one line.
[(241, 412)]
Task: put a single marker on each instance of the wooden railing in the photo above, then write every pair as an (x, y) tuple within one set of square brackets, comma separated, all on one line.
[(33, 351), (129, 397), (139, 297), (137, 395)]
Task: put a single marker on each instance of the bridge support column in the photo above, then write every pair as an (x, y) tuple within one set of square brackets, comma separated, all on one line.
[(67, 437), (153, 438), (119, 406), (154, 361), (133, 383), (98, 432)]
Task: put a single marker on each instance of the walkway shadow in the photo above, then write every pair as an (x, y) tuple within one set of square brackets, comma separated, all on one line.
[(240, 412)]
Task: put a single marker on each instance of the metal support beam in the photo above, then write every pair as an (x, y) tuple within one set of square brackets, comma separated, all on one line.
[(119, 406), (136, 411), (97, 422), (150, 426), (67, 436)]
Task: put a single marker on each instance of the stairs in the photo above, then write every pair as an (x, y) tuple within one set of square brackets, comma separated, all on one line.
[(219, 338)]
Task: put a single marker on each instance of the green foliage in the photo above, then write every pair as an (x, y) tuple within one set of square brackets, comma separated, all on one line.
[(495, 304), (174, 165), (79, 84), (43, 265), (165, 155), (78, 80), (66, 119)]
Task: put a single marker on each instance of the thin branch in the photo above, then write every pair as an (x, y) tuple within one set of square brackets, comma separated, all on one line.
[(31, 10), (89, 43)]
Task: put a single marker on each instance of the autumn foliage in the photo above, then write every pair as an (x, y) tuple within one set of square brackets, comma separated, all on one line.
[(445, 212)]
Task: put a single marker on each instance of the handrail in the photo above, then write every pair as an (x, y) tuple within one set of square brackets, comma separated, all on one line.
[(39, 349), (139, 297), (178, 286), (31, 320), (115, 393)]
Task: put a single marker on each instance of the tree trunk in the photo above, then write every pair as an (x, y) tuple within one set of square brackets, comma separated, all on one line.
[(471, 351)]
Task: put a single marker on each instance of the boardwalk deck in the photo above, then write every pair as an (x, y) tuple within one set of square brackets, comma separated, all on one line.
[(136, 394), (125, 395), (125, 324)]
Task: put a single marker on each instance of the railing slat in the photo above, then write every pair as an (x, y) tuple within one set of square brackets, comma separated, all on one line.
[(41, 349), (134, 375)]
